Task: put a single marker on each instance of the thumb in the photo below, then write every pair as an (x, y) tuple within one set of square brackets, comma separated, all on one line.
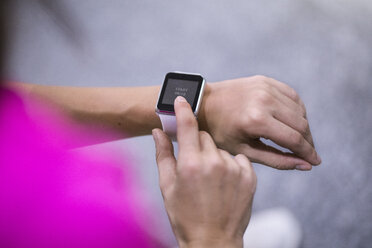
[(164, 158)]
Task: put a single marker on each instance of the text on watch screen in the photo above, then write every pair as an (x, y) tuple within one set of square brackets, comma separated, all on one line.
[(178, 87)]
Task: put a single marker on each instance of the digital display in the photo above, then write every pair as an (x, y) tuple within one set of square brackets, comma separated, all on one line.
[(179, 84), (178, 87)]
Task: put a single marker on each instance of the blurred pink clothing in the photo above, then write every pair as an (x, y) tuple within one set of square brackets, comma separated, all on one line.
[(51, 197)]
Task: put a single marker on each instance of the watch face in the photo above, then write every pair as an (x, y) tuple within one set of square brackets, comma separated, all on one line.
[(178, 84)]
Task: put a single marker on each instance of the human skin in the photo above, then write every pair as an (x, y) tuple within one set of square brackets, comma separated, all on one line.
[(241, 111), (207, 193), (237, 113)]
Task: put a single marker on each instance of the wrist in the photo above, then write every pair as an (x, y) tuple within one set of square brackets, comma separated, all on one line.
[(215, 243), (210, 118), (206, 237), (204, 107)]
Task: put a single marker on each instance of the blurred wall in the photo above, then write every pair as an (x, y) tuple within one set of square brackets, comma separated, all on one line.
[(323, 49)]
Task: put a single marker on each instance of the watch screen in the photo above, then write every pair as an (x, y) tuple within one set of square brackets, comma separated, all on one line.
[(178, 87), (179, 84)]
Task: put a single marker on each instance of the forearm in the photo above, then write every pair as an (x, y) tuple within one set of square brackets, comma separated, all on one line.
[(127, 111)]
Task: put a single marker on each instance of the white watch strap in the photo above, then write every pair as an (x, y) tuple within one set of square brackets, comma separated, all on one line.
[(169, 124)]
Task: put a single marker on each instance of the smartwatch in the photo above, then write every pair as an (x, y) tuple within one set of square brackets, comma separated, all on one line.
[(188, 85)]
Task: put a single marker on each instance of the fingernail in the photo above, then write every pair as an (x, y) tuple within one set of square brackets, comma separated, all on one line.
[(303, 167), (180, 99), (154, 135), (318, 158)]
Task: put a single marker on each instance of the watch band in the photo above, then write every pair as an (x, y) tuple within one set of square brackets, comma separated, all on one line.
[(169, 124)]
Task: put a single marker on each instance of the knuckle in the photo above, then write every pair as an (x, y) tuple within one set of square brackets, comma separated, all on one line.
[(255, 117), (188, 121), (294, 94), (262, 96), (235, 171), (305, 127), (297, 139), (190, 167), (216, 166), (276, 165), (161, 158), (204, 135), (190, 171), (223, 152), (265, 86), (304, 111), (158, 156), (244, 161), (260, 78), (192, 162), (280, 165), (249, 180), (216, 163), (230, 166), (242, 157)]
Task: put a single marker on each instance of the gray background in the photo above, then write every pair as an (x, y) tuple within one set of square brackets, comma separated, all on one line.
[(321, 48)]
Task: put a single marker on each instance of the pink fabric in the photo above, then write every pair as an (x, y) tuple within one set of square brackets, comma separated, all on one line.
[(51, 197)]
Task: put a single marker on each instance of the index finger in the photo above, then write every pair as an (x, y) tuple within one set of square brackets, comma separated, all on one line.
[(187, 127)]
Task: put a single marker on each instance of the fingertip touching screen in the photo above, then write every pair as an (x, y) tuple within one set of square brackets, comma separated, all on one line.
[(177, 84)]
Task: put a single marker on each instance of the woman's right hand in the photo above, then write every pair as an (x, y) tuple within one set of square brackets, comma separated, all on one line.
[(239, 113), (207, 193)]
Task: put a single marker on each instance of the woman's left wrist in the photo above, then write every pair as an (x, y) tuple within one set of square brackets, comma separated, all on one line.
[(204, 107), (215, 243)]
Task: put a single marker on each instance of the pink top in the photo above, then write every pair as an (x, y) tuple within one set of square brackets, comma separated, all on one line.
[(51, 197)]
